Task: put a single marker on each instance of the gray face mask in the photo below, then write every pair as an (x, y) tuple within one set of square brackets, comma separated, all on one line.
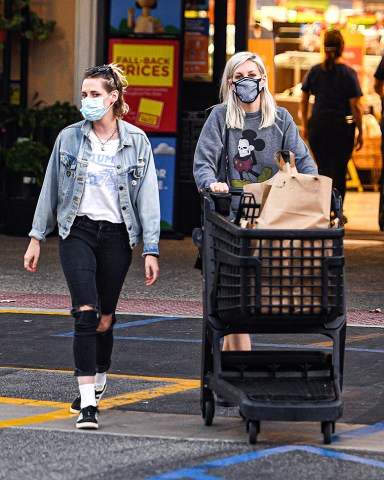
[(248, 89)]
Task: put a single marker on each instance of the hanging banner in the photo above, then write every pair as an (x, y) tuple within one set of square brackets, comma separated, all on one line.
[(196, 42), (151, 68), (164, 152)]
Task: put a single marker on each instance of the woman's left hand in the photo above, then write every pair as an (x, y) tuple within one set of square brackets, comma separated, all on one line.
[(152, 270)]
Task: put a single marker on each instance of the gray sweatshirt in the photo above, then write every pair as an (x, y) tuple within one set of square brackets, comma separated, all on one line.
[(250, 151)]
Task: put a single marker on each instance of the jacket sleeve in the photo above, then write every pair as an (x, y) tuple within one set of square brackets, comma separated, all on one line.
[(293, 142), (148, 207), (45, 218), (208, 150)]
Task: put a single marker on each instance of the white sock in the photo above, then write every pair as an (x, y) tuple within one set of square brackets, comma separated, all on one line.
[(87, 393), (100, 380)]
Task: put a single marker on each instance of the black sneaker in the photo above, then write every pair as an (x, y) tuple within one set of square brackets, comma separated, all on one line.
[(75, 407), (87, 418)]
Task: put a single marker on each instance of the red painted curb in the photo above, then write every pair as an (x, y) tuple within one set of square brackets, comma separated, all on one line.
[(152, 306)]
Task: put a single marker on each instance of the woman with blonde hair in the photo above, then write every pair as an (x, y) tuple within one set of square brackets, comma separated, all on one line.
[(101, 189), (250, 128)]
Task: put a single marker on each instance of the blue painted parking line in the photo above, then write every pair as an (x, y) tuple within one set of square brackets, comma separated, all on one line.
[(156, 339), (149, 321), (317, 347), (203, 471), (189, 340), (361, 432), (136, 323)]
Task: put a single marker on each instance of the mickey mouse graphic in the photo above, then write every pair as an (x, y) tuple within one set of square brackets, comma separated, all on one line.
[(245, 159)]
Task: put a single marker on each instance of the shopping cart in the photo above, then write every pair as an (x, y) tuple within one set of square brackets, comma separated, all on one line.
[(261, 281)]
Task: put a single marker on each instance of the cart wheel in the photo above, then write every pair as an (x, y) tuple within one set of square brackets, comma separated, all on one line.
[(208, 412), (327, 428), (253, 428), (255, 421)]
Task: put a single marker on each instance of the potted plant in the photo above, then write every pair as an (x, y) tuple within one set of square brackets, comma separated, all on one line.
[(53, 118), (28, 158), (26, 161)]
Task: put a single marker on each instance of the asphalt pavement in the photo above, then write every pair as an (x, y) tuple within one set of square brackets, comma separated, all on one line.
[(150, 419)]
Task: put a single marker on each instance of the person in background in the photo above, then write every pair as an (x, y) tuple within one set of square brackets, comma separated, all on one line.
[(379, 89), (101, 189), (255, 129), (336, 113)]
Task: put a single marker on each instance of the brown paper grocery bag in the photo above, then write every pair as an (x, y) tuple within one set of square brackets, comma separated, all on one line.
[(296, 201), (261, 190)]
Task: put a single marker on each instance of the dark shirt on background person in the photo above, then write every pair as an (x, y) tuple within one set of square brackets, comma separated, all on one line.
[(332, 89)]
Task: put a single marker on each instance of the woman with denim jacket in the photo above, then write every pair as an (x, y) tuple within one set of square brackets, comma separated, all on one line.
[(101, 190)]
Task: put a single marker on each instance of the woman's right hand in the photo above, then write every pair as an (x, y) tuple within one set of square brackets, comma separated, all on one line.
[(219, 187), (31, 257)]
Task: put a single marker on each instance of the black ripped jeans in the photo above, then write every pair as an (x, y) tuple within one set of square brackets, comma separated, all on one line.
[(95, 258)]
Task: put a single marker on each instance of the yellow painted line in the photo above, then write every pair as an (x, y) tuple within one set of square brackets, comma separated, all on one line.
[(176, 385), (35, 312), (27, 402), (148, 394), (115, 375), (43, 417), (348, 340)]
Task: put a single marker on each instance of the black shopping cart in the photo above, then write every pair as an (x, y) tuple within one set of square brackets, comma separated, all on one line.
[(260, 281)]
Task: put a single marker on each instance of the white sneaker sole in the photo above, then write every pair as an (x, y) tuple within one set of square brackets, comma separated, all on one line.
[(89, 425)]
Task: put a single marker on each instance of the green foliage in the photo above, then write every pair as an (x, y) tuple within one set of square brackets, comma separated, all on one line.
[(27, 156), (13, 23), (38, 126), (37, 29), (59, 115)]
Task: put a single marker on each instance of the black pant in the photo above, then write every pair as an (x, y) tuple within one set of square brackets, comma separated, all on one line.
[(331, 140), (95, 258)]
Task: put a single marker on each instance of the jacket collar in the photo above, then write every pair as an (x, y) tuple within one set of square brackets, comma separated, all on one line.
[(125, 138)]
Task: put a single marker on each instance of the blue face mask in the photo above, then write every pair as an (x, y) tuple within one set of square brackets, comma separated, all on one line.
[(93, 109), (248, 89)]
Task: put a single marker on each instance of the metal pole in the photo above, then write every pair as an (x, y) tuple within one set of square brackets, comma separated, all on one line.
[(6, 88), (241, 20), (220, 40), (24, 52)]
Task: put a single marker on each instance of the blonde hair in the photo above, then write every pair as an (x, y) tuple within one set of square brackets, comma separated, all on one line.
[(113, 79), (235, 113)]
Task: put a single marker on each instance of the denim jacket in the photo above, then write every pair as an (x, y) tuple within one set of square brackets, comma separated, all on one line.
[(65, 179)]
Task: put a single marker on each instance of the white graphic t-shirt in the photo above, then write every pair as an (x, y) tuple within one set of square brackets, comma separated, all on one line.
[(100, 200)]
